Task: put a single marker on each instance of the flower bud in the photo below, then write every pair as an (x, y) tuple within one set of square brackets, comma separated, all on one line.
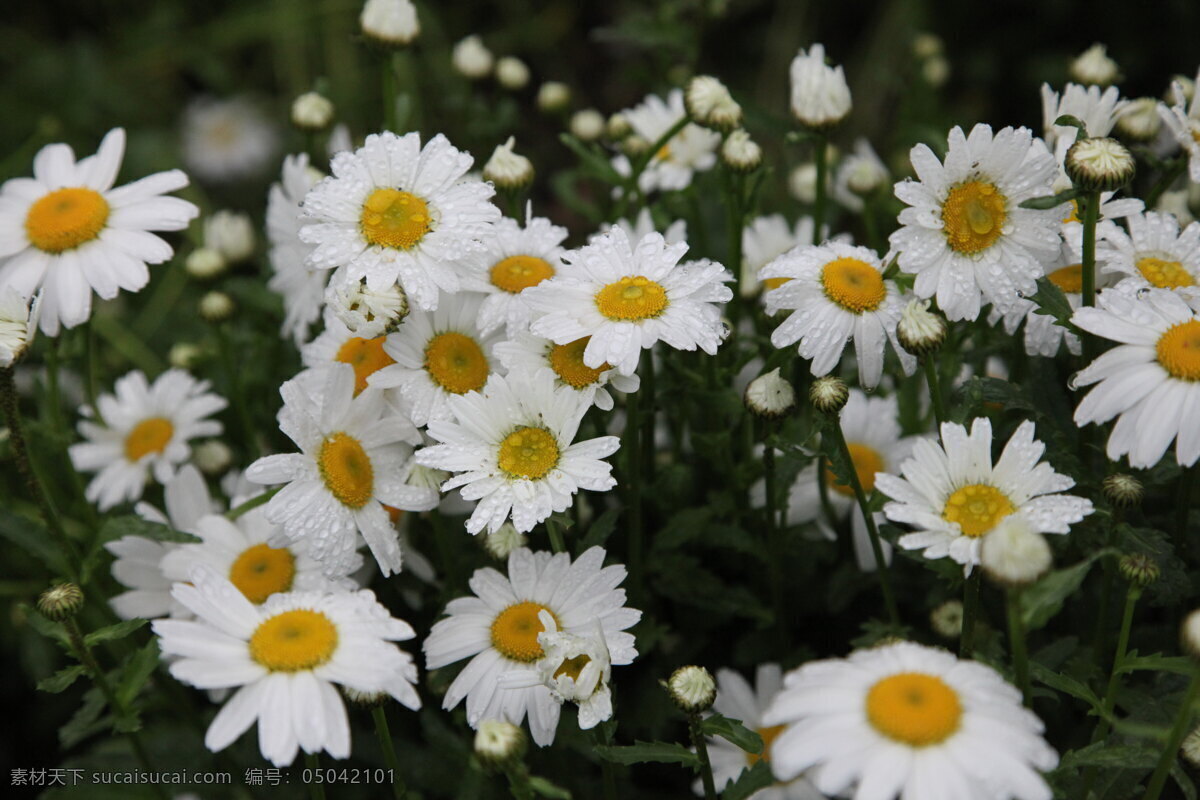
[(216, 307), (920, 331), (553, 97), (204, 264), (60, 602), (710, 104), (741, 153), (587, 125), (829, 394), (770, 396), (511, 73), (212, 457), (1190, 634), (634, 145), (947, 619), (1139, 569), (692, 689), (363, 699), (1139, 121), (503, 541), (1099, 165), (1093, 66), (820, 96), (498, 742), (390, 23), (471, 59), (184, 355), (936, 71), (506, 169), (926, 45), (312, 111), (618, 127), (1013, 554), (231, 234), (1190, 749), (802, 183), (1122, 490)]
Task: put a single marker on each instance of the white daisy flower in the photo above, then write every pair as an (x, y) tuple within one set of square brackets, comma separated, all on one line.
[(438, 355), (1043, 335), (1154, 252), (737, 699), (626, 298), (18, 325), (68, 232), (904, 720), (354, 458), (693, 149), (954, 496), (337, 344), (498, 630), (1096, 107), (766, 238), (642, 226), (1150, 379), (965, 235), (531, 354), (143, 433), (859, 174), (394, 212), (836, 293), (873, 437), (302, 289), (512, 448), (1183, 122), (227, 140), (284, 658), (516, 259)]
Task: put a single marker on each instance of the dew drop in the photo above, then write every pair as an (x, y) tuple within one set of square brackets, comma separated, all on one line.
[(1142, 292)]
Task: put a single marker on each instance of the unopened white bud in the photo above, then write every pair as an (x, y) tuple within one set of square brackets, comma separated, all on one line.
[(472, 59), (204, 263), (820, 95), (947, 619), (230, 233), (926, 45), (829, 394), (212, 457), (936, 71), (553, 97), (741, 153), (692, 689), (508, 170), (1190, 634), (1099, 164), (312, 111), (618, 127), (1139, 121), (1094, 66), (587, 125), (184, 355), (1190, 749), (216, 307), (503, 541), (802, 183), (392, 23), (499, 742), (770, 395), (920, 331), (511, 73), (1013, 554), (710, 104)]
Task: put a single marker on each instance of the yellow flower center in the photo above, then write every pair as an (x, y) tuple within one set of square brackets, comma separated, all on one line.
[(528, 453), (914, 709), (456, 363), (346, 469), (977, 508), (775, 283), (148, 436), (973, 216), (1179, 350), (853, 284), (396, 219), (294, 641), (571, 667), (65, 219), (517, 273), (634, 297), (1164, 274), (367, 356), (567, 362), (867, 462), (261, 571), (515, 631), (1074, 215), (1069, 279), (768, 736), (663, 153)]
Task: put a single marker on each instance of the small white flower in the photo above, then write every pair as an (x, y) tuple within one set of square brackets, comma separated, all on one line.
[(516, 258), (508, 169), (227, 140), (1014, 554), (472, 59), (860, 173), (1183, 121), (820, 96), (691, 150), (302, 289), (920, 331), (1095, 67), (390, 22), (312, 111), (212, 457), (1140, 120), (499, 741)]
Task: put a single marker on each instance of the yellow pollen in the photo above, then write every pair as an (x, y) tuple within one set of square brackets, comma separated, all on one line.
[(914, 709), (528, 453), (294, 641), (148, 436), (1069, 279), (396, 219), (867, 462), (567, 362), (517, 273), (767, 735), (632, 298), (775, 283), (515, 631), (261, 571), (853, 284), (394, 514), (977, 508), (346, 469), (367, 356), (456, 363), (1179, 350), (973, 216), (1074, 215), (663, 153), (571, 667), (65, 219), (1164, 274)]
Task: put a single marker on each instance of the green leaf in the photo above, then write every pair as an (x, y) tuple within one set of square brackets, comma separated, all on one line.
[(599, 531), (132, 525), (1183, 781), (86, 721), (1065, 684), (750, 781), (1051, 302), (111, 632), (51, 630), (1157, 662), (33, 538), (60, 680), (1074, 122), (1047, 202), (1105, 754), (545, 788), (645, 752), (734, 731), (1044, 599), (136, 670)]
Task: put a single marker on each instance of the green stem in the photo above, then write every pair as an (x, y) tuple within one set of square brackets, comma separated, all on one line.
[(881, 565), (556, 537), (1183, 506), (633, 464), (1178, 731), (650, 417), (1017, 644), (733, 197), (399, 790), (929, 362), (608, 775), (966, 645), (821, 159), (316, 789), (1164, 182), (698, 741), (1091, 216), (89, 371), (1114, 678), (774, 545), (823, 491), (235, 389), (388, 72)]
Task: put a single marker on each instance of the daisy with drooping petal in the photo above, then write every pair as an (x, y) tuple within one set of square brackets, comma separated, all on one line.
[(628, 296), (644, 224), (438, 355), (1043, 335), (1183, 122), (512, 447), (302, 289), (515, 259), (394, 212), (284, 658), (767, 238), (1154, 252), (870, 425), (1095, 107), (693, 149), (145, 433), (954, 496), (964, 234), (737, 699), (904, 720), (836, 293), (498, 630), (354, 458), (227, 140), (68, 232), (1149, 379), (531, 354)]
